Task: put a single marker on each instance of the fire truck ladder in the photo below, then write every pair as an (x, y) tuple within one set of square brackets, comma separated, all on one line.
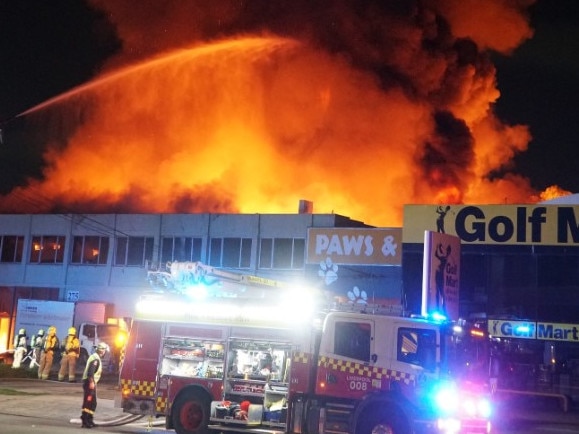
[(175, 276), (370, 309)]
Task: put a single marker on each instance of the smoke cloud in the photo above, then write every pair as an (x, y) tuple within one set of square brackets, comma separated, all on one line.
[(249, 106)]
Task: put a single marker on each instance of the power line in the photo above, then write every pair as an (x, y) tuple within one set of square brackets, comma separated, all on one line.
[(40, 202)]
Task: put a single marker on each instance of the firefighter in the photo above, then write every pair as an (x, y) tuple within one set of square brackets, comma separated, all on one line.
[(265, 366), (90, 378), (36, 343), (50, 344), (20, 348), (70, 354)]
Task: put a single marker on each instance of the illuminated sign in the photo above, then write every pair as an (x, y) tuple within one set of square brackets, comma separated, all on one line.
[(355, 246), (440, 275), (558, 332), (495, 224), (534, 330)]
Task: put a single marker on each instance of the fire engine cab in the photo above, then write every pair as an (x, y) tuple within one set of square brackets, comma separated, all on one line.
[(261, 356)]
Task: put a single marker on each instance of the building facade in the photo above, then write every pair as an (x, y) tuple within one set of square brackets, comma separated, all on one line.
[(104, 258), (517, 261)]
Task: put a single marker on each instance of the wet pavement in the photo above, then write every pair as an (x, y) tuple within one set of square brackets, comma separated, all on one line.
[(515, 408), (63, 400), (60, 400)]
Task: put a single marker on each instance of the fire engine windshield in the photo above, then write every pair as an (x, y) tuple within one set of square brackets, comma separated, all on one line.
[(464, 354)]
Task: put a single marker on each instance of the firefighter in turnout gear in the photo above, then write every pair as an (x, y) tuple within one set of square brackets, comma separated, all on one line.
[(50, 344), (90, 378), (70, 354), (36, 343), (20, 348)]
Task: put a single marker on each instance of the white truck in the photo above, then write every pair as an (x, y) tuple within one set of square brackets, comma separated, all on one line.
[(89, 319)]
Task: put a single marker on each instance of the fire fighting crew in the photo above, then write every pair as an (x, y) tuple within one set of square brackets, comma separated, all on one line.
[(20, 348), (90, 378), (36, 343), (70, 354), (50, 344)]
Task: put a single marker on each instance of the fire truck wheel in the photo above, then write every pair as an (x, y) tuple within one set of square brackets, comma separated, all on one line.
[(383, 424), (191, 413)]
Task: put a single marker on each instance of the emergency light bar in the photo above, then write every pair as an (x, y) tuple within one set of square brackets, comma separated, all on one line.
[(286, 312)]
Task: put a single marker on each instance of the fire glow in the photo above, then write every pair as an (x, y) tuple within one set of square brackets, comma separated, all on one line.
[(254, 123)]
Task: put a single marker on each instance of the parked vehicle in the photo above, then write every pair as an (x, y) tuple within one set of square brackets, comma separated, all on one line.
[(89, 319)]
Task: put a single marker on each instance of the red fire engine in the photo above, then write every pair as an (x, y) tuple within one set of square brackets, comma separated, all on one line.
[(253, 355)]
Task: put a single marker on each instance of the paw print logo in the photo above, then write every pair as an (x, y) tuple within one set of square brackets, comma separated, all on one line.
[(328, 271), (357, 297)]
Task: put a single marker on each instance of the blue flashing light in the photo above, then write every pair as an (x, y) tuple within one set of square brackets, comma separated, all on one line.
[(484, 408), (453, 401), (197, 292), (446, 398), (522, 329), (437, 316)]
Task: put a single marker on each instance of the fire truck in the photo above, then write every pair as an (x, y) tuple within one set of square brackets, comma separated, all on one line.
[(216, 351)]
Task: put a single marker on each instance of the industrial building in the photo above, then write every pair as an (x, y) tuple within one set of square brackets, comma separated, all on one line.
[(516, 261), (519, 264), (104, 258)]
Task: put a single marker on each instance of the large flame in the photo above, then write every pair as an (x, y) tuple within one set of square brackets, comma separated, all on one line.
[(360, 124)]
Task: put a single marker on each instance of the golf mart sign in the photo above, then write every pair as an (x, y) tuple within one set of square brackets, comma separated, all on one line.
[(534, 330), (495, 224)]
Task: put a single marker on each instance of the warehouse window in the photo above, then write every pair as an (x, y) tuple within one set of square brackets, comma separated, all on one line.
[(47, 249), (230, 252), (266, 253), (90, 250), (282, 253), (133, 250), (182, 249), (11, 247)]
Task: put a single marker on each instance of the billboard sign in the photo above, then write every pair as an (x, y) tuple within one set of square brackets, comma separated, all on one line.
[(441, 274), (546, 331), (551, 225), (355, 246)]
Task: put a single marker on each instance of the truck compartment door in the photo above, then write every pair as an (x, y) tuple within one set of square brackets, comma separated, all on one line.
[(139, 369)]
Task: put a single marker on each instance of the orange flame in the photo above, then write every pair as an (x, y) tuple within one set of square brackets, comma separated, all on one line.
[(253, 124), (552, 192)]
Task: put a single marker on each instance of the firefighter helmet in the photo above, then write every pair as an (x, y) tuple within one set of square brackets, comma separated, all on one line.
[(72, 331), (51, 330), (22, 331), (102, 347), (40, 332)]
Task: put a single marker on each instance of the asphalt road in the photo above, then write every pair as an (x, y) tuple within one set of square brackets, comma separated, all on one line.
[(43, 407)]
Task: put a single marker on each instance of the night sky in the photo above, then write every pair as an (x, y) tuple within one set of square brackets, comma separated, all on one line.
[(44, 51), (539, 87), (47, 50)]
